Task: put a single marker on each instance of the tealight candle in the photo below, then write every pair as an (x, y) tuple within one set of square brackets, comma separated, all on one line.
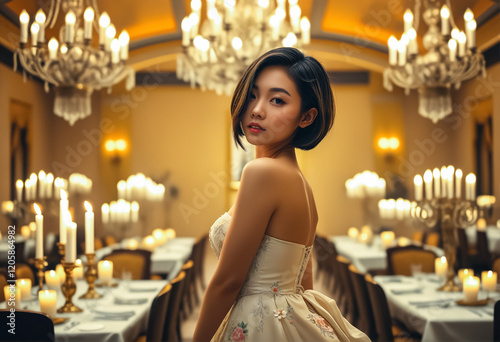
[(105, 271), (12, 296), (387, 238), (48, 302), (78, 270), (441, 266), (481, 224), (471, 289), (52, 280), (170, 233), (353, 232), (149, 242), (464, 273), (60, 272), (489, 280), (24, 285), (132, 244)]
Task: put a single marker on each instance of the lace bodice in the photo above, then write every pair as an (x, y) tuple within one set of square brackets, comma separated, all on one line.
[(278, 266)]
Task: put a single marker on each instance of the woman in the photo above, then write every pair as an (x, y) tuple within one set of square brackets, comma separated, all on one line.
[(262, 287)]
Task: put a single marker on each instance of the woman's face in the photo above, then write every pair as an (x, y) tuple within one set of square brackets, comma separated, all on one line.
[(273, 112)]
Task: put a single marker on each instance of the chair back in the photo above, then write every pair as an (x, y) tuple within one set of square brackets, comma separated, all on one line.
[(381, 313), (366, 321), (158, 314), (433, 239), (496, 322), (172, 319), (352, 307), (137, 262), (482, 247), (495, 267), (463, 245), (401, 258), (25, 271), (29, 326), (3, 283), (418, 236), (109, 240)]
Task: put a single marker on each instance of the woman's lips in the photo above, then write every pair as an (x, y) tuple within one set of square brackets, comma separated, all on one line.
[(255, 127)]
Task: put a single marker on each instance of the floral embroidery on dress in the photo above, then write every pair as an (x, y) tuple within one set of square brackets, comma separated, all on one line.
[(323, 325), (259, 311), (240, 332), (284, 313), (276, 289), (217, 233)]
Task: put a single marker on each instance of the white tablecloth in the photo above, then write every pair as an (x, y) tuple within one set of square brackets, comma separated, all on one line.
[(493, 234), (437, 322)]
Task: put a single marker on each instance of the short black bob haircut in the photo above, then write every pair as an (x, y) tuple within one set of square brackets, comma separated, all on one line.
[(312, 83)]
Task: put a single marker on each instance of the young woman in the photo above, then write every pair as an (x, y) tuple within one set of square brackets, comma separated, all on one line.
[(262, 287)]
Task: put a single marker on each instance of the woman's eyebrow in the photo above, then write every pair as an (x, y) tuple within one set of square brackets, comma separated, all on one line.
[(274, 90)]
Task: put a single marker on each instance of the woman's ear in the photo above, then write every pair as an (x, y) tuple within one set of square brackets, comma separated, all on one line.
[(308, 117)]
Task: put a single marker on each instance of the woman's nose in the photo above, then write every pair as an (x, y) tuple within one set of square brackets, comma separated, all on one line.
[(257, 111)]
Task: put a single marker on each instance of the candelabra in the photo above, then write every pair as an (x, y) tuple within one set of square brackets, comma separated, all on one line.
[(447, 214), (68, 289), (91, 276), (62, 250), (40, 265)]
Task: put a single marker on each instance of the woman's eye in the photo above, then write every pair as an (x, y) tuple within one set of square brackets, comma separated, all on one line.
[(277, 101), (252, 96)]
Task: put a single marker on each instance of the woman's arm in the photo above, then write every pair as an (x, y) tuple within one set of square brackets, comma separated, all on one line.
[(254, 206)]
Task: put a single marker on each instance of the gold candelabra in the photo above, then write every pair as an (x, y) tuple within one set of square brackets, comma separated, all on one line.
[(447, 214), (91, 276), (40, 265), (69, 289), (62, 250)]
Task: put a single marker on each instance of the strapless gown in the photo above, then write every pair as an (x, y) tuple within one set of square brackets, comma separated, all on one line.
[(272, 305)]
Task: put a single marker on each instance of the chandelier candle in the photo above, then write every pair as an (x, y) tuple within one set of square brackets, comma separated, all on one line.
[(40, 19), (39, 232)]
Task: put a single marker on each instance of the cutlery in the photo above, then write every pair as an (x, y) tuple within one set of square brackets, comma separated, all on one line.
[(71, 325), (474, 312)]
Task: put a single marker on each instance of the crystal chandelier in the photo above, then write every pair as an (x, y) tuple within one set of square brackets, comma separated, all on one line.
[(71, 63), (217, 51), (451, 58)]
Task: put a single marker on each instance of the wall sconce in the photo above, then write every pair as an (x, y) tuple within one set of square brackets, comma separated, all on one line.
[(388, 145), (116, 149)]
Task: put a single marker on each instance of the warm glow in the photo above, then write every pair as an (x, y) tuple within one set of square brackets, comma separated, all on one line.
[(408, 16), (37, 209), (468, 15), (40, 17), (436, 173), (35, 28), (264, 3), (110, 145), (53, 44), (19, 184), (89, 14), (459, 173), (455, 33), (24, 18), (64, 49), (70, 17), (471, 178), (418, 180), (115, 44), (88, 207), (452, 44), (237, 43), (471, 25), (445, 12), (121, 145), (383, 143), (104, 20), (393, 42), (64, 195), (196, 5), (124, 38), (412, 34), (110, 32)]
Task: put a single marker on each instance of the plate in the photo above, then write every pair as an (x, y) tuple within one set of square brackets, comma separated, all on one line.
[(90, 326), (130, 301), (476, 303), (404, 288), (59, 320), (143, 288), (114, 311)]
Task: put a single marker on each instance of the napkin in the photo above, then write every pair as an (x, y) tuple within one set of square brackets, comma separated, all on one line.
[(116, 312), (142, 288), (130, 301), (399, 289), (427, 302)]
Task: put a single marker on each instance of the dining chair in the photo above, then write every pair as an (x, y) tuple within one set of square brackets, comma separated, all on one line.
[(495, 265), (366, 321), (30, 326), (433, 239), (188, 290), (401, 258), (469, 256), (3, 283), (157, 317), (418, 236), (137, 262), (482, 247), (496, 322), (171, 329), (109, 240), (351, 311), (26, 271)]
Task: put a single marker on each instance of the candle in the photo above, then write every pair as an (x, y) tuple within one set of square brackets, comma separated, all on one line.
[(104, 22), (450, 173), (489, 280), (305, 26), (452, 46), (413, 46), (444, 179), (441, 266), (470, 32), (89, 229), (78, 270), (186, 28), (134, 216), (40, 19), (408, 18), (471, 289), (124, 39), (89, 18), (53, 47), (402, 51), (70, 255), (115, 51), (387, 238), (351, 232), (61, 274), (462, 39), (52, 280), (481, 224), (295, 13), (458, 183), (70, 27), (63, 208), (12, 296), (437, 182), (110, 35), (428, 184), (24, 20), (39, 232), (48, 302), (50, 181), (33, 181), (35, 28), (149, 242), (464, 273), (418, 188), (105, 271), (105, 213), (393, 50), (470, 187), (24, 285), (445, 20), (19, 190)]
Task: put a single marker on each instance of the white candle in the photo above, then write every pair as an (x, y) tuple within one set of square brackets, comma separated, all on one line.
[(134, 216), (305, 26), (19, 190), (470, 187), (115, 51), (441, 266), (401, 52), (89, 18), (105, 271), (78, 270), (70, 256), (450, 174), (89, 229), (124, 39), (39, 232), (489, 280), (186, 28), (104, 22), (393, 50), (110, 35), (452, 46), (437, 182), (24, 285), (413, 46), (471, 289), (464, 273), (63, 208), (418, 188), (52, 280), (48, 302), (445, 20), (428, 184), (462, 40), (40, 19), (105, 213), (61, 275), (444, 181), (70, 27), (408, 18), (458, 183), (35, 28), (470, 32), (12, 296), (53, 48), (24, 20)]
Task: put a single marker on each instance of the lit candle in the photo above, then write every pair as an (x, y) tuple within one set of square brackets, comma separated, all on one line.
[(78, 270), (53, 47), (437, 182), (19, 190), (134, 216), (52, 280), (458, 183), (24, 285), (351, 232), (445, 20), (450, 173), (462, 39), (61, 275), (48, 302), (105, 213), (413, 46), (305, 26), (481, 224), (12, 296), (63, 208), (452, 46), (468, 15), (274, 22), (89, 229), (70, 27), (70, 255), (471, 289), (464, 273), (470, 32), (115, 51), (387, 238), (24, 20), (444, 181), (186, 28), (418, 188), (489, 280), (470, 187), (401, 52), (441, 266), (39, 232), (40, 19), (149, 242), (89, 18), (393, 50), (295, 13), (428, 184), (27, 190), (50, 181), (35, 28), (110, 35), (408, 18), (104, 22), (124, 39), (105, 271)]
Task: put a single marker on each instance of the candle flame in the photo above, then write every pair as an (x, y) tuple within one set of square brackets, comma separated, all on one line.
[(37, 209), (88, 207)]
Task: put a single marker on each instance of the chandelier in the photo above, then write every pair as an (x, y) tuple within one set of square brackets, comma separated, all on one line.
[(451, 58), (234, 33), (71, 63)]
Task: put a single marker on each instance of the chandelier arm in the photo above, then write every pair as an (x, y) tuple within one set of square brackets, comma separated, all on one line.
[(44, 74), (93, 4), (56, 13), (418, 4), (452, 21), (26, 62)]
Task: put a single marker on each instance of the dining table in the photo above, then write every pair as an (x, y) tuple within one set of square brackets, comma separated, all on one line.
[(121, 315), (438, 315)]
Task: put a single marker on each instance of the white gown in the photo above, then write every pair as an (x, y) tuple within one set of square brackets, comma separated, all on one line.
[(272, 305)]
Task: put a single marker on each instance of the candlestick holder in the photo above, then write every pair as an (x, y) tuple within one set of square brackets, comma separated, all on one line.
[(447, 215), (91, 276), (62, 251), (69, 289), (40, 265)]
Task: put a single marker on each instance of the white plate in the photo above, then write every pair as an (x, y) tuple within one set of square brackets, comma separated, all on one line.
[(90, 326), (113, 311)]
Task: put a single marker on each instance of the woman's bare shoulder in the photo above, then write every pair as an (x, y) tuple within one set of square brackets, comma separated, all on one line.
[(263, 167)]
